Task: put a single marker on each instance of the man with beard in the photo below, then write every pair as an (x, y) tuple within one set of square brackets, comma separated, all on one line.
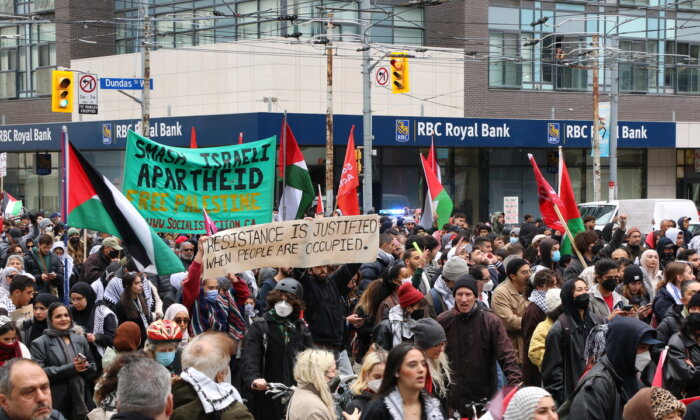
[(269, 284), (25, 392), (187, 251), (693, 258), (325, 311)]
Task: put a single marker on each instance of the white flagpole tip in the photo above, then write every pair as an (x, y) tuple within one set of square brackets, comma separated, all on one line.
[(529, 155)]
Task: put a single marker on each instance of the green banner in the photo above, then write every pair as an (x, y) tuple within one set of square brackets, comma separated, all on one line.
[(169, 186)]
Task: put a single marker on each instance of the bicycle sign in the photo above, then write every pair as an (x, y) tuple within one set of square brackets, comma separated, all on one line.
[(87, 93)]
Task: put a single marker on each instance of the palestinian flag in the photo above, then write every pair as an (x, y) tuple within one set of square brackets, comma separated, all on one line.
[(548, 199), (94, 203), (570, 210), (440, 202), (12, 207), (298, 191), (426, 219)]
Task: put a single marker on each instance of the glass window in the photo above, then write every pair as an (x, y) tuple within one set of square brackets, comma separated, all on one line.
[(504, 71)]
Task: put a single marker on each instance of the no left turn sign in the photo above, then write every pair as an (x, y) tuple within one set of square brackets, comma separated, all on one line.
[(87, 93), (381, 76)]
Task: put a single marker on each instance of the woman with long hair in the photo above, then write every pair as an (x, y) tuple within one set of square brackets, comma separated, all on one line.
[(312, 398), (430, 337), (668, 291), (535, 313), (68, 362), (402, 394), (649, 263), (367, 308), (132, 304), (34, 328), (392, 279), (368, 381)]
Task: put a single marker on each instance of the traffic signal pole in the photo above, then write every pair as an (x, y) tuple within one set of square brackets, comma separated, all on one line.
[(329, 114), (366, 108)]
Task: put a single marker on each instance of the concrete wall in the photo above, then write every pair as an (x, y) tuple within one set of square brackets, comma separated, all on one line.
[(235, 77), (661, 173)]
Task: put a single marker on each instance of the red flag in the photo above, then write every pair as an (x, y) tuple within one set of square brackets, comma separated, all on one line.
[(548, 199), (319, 202), (659, 374), (348, 202), (209, 225), (240, 137), (193, 139)]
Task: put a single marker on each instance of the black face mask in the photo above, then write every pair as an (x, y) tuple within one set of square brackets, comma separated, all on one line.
[(417, 314), (667, 257), (114, 254), (74, 241), (582, 301), (609, 284)]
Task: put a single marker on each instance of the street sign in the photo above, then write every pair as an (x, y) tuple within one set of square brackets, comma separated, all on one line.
[(381, 76), (87, 93), (121, 83), (3, 164)]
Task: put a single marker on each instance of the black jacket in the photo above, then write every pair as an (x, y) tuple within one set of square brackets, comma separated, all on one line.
[(261, 299), (48, 352), (671, 323), (663, 301), (266, 356), (36, 269), (360, 402), (325, 310), (572, 271), (680, 378), (55, 415), (374, 270), (94, 266)]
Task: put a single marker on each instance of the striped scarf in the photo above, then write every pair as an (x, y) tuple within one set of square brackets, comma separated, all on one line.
[(221, 316)]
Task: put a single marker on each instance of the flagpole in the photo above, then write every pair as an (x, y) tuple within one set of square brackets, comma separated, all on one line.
[(561, 165), (284, 165), (64, 147), (571, 237)]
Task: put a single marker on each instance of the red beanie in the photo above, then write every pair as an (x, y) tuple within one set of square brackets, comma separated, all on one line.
[(180, 239), (408, 295)]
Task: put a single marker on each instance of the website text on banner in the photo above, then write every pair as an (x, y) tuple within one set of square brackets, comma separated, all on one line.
[(170, 186), (294, 243)]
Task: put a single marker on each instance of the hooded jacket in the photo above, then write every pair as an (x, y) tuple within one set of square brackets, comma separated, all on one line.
[(688, 235), (604, 391), (661, 245), (497, 227), (563, 362)]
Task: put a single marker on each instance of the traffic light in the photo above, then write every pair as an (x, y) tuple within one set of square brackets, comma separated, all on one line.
[(62, 91), (399, 74), (358, 159)]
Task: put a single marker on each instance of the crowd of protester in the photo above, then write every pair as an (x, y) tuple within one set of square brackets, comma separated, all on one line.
[(460, 321)]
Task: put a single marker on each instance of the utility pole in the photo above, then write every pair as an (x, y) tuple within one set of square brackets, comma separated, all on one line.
[(329, 114), (146, 59), (614, 94), (366, 108), (596, 136)]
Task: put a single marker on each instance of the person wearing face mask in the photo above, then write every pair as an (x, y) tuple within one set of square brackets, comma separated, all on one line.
[(563, 361), (10, 345), (368, 381), (201, 391), (485, 282), (667, 251), (668, 291), (398, 327), (550, 255), (75, 247), (614, 379), (682, 375), (271, 345), (605, 301), (514, 236), (535, 313), (164, 336), (96, 264)]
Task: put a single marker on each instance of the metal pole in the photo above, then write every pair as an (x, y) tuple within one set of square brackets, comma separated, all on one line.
[(366, 109), (614, 94), (596, 137), (329, 113), (146, 58), (284, 168), (554, 113)]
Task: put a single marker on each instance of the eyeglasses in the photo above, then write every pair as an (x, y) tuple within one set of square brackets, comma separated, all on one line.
[(181, 320), (187, 250)]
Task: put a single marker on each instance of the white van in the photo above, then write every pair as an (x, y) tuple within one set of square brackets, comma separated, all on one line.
[(645, 214)]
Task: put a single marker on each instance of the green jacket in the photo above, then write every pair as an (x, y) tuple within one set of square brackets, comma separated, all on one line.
[(188, 407)]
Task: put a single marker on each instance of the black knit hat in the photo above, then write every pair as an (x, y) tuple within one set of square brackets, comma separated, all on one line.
[(468, 282), (632, 273), (514, 265), (694, 301)]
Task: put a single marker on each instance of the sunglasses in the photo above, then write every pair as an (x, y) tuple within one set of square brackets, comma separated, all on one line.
[(181, 320)]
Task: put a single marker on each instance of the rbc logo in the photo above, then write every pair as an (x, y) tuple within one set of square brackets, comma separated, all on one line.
[(402, 131), (552, 133), (106, 133)]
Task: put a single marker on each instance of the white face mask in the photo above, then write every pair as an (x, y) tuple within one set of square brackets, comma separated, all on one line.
[(406, 280), (488, 286), (374, 385), (642, 360), (283, 309)]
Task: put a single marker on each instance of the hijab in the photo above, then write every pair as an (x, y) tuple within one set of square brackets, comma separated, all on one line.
[(651, 273), (4, 285), (36, 328), (84, 317)]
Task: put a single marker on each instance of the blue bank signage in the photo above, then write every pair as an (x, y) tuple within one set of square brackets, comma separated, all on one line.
[(309, 129), (122, 84)]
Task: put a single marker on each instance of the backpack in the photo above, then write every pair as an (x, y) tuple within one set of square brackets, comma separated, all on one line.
[(437, 301)]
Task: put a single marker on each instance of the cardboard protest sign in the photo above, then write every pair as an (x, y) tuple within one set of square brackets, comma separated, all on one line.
[(294, 243), (170, 186)]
